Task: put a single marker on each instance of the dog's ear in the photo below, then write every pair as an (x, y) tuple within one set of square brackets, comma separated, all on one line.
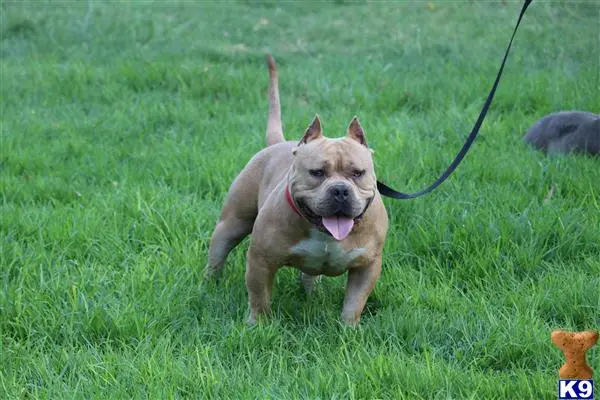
[(355, 131), (312, 132)]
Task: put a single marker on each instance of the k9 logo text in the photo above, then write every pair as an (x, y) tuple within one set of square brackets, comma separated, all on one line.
[(575, 389)]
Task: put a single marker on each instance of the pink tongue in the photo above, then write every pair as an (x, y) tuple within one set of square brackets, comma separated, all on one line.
[(339, 227)]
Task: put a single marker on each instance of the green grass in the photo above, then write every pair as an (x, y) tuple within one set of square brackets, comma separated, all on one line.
[(123, 124)]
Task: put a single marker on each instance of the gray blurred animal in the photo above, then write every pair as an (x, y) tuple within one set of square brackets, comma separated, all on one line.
[(566, 132)]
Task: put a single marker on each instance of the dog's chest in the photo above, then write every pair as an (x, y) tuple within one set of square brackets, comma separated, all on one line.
[(322, 254)]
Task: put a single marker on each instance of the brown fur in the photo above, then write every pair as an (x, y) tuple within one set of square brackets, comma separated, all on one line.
[(256, 204)]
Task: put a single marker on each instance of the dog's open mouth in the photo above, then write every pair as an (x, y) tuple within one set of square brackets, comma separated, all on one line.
[(338, 225)]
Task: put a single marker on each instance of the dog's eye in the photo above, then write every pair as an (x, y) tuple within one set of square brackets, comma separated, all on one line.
[(357, 173), (317, 172)]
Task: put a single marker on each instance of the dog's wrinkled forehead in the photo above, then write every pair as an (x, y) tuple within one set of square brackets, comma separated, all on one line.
[(334, 154), (339, 153)]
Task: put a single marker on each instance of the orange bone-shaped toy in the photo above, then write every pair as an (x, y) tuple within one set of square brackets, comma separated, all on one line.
[(574, 346)]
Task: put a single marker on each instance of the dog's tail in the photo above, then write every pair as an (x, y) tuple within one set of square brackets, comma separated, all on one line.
[(274, 130)]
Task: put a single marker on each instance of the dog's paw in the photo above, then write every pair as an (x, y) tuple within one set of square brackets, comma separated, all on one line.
[(258, 317), (212, 273), (350, 320), (309, 282), (252, 320)]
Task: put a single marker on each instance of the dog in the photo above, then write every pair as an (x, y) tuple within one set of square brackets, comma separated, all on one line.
[(312, 205), (566, 132)]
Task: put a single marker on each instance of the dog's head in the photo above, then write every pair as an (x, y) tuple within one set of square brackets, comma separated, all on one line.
[(332, 181)]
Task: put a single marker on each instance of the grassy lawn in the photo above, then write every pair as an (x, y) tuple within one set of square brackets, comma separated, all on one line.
[(124, 123)]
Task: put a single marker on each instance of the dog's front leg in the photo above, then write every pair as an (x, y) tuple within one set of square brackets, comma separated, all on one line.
[(361, 282), (259, 281)]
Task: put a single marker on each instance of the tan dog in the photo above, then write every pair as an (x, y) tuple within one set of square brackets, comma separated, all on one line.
[(313, 205)]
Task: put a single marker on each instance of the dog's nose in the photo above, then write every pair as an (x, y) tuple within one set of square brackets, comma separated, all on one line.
[(340, 192)]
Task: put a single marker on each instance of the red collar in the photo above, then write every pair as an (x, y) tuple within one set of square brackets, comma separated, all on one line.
[(288, 197)]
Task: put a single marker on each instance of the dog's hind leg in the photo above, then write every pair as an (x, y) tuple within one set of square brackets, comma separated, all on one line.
[(235, 223), (228, 233)]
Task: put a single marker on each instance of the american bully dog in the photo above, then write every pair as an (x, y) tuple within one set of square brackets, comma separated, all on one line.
[(311, 204)]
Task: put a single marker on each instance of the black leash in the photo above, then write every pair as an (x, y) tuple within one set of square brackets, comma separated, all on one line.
[(389, 192)]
